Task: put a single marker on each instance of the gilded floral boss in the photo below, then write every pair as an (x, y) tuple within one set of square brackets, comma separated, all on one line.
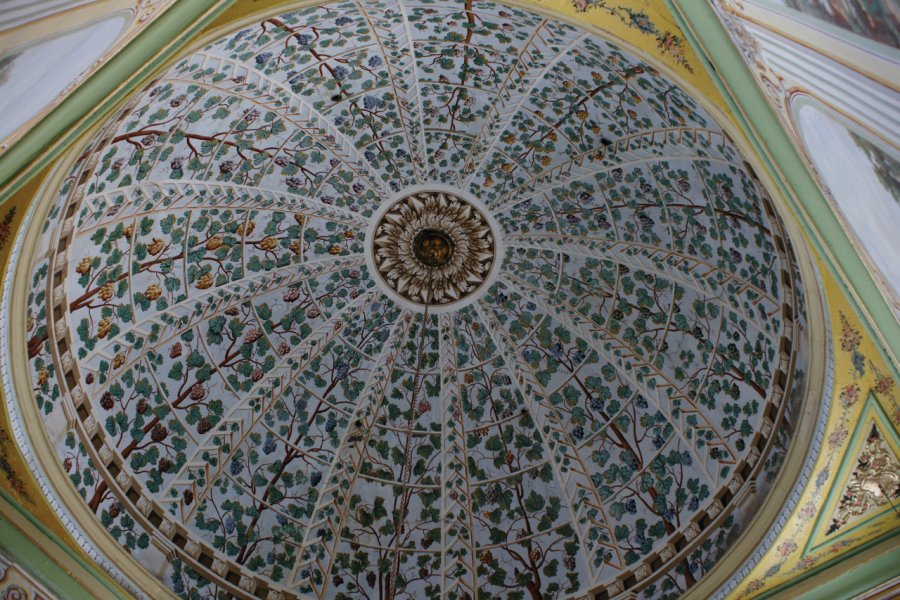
[(433, 248)]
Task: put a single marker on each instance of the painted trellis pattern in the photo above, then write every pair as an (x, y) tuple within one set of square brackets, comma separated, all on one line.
[(244, 398)]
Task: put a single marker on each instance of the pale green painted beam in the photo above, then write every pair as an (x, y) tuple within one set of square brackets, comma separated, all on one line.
[(815, 215), (37, 563), (92, 100), (861, 579)]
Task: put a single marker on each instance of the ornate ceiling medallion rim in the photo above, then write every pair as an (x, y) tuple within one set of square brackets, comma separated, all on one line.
[(484, 213)]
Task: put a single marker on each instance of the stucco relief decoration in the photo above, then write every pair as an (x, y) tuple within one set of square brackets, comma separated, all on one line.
[(228, 293), (875, 482), (17, 584), (433, 248)]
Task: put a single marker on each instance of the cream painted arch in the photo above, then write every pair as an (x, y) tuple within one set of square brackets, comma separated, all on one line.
[(31, 77)]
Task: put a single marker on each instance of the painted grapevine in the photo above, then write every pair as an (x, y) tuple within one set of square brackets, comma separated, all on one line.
[(250, 399)]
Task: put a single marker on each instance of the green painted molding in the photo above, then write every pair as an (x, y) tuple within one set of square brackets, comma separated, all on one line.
[(861, 579), (869, 574), (119, 77), (705, 32), (36, 561)]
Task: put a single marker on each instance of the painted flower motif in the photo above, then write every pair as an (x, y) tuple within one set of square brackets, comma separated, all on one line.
[(849, 395), (786, 547), (205, 281), (808, 511), (837, 437), (883, 384), (850, 336), (807, 561), (156, 246), (84, 265), (153, 292), (822, 477)]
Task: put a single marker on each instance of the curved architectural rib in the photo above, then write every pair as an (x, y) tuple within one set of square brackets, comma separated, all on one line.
[(459, 569), (317, 551), (689, 271), (293, 108), (229, 434), (644, 146), (390, 27), (535, 60), (652, 383), (156, 328), (591, 522), (154, 197)]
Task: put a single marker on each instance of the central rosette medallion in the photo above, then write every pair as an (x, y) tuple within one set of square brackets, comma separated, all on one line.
[(433, 248)]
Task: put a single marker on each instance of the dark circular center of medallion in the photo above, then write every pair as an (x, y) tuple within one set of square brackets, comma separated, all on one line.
[(433, 248)]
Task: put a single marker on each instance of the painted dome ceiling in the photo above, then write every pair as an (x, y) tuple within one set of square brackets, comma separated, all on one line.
[(419, 300)]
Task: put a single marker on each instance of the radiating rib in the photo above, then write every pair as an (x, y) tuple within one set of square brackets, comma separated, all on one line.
[(535, 60), (155, 329), (236, 425), (646, 377), (590, 520), (155, 197), (317, 555), (400, 62), (705, 277), (459, 570), (645, 146), (278, 98)]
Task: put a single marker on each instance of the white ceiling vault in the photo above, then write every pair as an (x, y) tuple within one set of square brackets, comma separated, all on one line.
[(244, 395)]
